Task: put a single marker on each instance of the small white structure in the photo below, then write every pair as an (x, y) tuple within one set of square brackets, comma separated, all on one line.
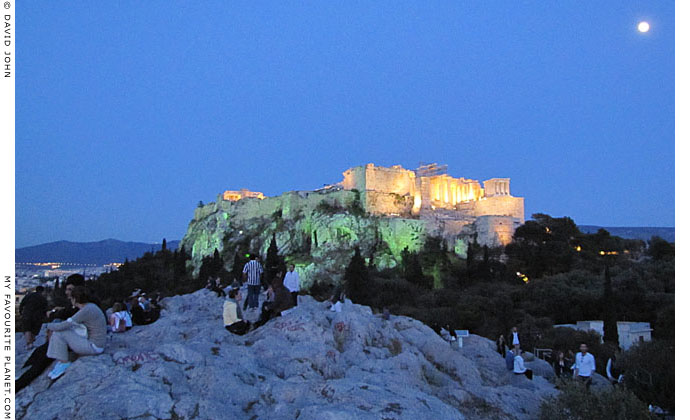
[(460, 334), (629, 333)]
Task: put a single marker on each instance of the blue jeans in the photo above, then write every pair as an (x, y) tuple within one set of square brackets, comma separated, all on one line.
[(253, 295)]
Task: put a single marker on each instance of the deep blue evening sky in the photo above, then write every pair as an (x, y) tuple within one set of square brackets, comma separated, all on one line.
[(129, 113)]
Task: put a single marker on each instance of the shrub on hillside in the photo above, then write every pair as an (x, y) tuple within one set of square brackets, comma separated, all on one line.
[(576, 403), (329, 208), (649, 370)]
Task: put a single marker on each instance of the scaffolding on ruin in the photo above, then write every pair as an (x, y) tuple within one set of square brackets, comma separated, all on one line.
[(430, 169)]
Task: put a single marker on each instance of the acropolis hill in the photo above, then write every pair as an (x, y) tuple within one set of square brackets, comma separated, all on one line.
[(380, 209)]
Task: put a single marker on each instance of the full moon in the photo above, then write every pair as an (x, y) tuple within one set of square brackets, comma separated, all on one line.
[(643, 26)]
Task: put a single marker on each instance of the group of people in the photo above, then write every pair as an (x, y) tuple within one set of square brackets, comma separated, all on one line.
[(76, 323), (580, 366), (137, 309), (511, 352), (281, 295)]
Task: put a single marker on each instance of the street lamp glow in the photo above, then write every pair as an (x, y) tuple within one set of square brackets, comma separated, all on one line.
[(643, 26)]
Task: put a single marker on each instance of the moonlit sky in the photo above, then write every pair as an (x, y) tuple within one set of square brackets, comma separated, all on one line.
[(129, 113)]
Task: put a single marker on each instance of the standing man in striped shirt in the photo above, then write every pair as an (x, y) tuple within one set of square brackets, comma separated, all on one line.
[(252, 275)]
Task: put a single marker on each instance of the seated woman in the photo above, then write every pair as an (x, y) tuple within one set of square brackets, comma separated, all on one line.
[(124, 314), (519, 365), (65, 336), (117, 321), (232, 314)]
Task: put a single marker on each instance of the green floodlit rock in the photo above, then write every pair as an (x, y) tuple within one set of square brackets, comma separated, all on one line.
[(460, 248), (316, 230)]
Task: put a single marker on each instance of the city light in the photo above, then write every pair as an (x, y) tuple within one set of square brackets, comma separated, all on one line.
[(523, 277)]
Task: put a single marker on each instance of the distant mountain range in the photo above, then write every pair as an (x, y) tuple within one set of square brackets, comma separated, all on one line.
[(101, 252), (644, 233)]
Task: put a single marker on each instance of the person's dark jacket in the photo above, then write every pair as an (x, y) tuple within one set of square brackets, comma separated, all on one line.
[(63, 313), (142, 317), (34, 305), (560, 370), (283, 300)]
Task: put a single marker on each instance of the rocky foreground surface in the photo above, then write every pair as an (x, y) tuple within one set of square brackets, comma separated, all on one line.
[(309, 364)]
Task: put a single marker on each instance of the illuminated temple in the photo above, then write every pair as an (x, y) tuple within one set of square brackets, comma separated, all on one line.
[(428, 192)]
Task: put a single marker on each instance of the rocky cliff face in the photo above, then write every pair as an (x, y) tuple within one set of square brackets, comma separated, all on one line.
[(309, 364), (316, 230)]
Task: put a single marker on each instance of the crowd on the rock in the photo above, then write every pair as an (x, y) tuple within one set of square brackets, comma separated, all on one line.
[(281, 296), (77, 324)]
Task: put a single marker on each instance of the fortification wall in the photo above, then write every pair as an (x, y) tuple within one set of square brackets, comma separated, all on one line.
[(496, 206), (495, 230), (395, 180), (355, 179), (387, 204)]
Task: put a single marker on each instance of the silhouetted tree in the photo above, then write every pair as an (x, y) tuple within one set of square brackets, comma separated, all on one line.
[(164, 246), (660, 249), (356, 278), (211, 267), (237, 267), (412, 269), (274, 262), (609, 306)]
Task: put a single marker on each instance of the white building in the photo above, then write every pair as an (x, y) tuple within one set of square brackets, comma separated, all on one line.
[(629, 333)]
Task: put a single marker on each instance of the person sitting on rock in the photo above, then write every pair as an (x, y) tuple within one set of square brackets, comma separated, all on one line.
[(232, 314), (65, 309), (117, 321), (66, 335), (519, 365), (142, 316), (214, 285), (510, 359), (32, 309), (282, 301), (337, 298), (449, 334), (127, 316), (39, 361)]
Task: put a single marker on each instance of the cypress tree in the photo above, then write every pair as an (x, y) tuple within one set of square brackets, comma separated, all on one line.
[(274, 262), (356, 278), (237, 267), (486, 270), (610, 324)]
